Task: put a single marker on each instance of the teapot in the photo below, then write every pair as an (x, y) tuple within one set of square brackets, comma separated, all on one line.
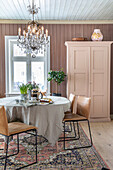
[(37, 94)]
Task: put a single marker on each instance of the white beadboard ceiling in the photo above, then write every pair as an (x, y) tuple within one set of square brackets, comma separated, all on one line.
[(70, 10)]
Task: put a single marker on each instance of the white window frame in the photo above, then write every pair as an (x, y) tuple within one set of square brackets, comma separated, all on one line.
[(9, 41)]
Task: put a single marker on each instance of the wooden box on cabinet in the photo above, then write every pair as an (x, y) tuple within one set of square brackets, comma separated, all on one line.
[(88, 70)]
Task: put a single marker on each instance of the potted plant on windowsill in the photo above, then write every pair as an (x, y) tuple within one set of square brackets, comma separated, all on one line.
[(57, 77), (23, 91)]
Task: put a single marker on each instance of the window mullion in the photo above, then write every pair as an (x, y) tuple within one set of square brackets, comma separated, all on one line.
[(11, 68), (28, 69)]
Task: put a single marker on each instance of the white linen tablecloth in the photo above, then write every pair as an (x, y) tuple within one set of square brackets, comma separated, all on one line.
[(48, 118)]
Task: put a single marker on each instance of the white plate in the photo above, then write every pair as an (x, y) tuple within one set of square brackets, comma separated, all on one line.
[(33, 101), (42, 103)]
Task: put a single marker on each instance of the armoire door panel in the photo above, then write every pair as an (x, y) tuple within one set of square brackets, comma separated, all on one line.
[(98, 59), (80, 59), (79, 64), (98, 83), (79, 81), (99, 107), (99, 87)]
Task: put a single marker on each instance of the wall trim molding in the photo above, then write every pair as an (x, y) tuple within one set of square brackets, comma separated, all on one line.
[(5, 21)]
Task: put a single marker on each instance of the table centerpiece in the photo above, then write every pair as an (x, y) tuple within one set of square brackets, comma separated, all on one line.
[(30, 87), (23, 91)]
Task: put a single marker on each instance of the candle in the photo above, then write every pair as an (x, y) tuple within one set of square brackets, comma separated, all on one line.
[(28, 28), (46, 33), (24, 33), (33, 30), (19, 31), (42, 30)]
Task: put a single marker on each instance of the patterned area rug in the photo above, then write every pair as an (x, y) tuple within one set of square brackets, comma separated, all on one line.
[(54, 157)]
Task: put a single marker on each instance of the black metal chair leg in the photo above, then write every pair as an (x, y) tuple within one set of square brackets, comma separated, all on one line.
[(90, 133), (78, 130), (36, 153), (64, 135), (6, 153), (69, 131), (36, 144), (17, 143), (71, 127), (69, 138), (81, 147), (74, 129)]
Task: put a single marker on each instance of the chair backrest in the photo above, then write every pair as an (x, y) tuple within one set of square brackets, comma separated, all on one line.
[(3, 121), (83, 106), (72, 100)]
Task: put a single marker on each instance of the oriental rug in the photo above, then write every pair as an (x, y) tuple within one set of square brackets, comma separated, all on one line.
[(53, 157)]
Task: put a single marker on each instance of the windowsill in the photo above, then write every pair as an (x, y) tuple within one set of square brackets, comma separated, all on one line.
[(12, 94)]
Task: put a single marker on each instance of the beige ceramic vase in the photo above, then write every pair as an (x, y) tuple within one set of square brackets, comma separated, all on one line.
[(97, 35)]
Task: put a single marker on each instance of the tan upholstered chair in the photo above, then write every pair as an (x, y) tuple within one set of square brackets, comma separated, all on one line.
[(72, 99), (83, 110), (11, 129)]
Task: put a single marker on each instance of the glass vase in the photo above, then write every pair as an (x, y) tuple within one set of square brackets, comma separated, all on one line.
[(29, 94)]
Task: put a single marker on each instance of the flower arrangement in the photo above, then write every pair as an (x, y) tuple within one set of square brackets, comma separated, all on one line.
[(31, 86), (24, 88)]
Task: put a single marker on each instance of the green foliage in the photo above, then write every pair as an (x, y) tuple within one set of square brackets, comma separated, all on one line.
[(57, 76), (28, 86), (23, 88), (31, 86)]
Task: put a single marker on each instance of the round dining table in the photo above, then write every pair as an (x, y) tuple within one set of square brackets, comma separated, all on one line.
[(46, 117)]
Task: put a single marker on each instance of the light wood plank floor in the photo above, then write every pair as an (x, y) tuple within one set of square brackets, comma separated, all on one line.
[(102, 133)]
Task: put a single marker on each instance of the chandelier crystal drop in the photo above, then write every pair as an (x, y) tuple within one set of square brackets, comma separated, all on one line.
[(33, 40)]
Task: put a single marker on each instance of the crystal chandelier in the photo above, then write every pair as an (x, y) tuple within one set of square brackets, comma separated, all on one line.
[(34, 40)]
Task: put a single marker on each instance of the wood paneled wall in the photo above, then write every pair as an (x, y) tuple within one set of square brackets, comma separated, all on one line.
[(59, 33)]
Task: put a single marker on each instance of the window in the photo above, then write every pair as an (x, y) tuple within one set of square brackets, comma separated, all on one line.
[(22, 68)]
